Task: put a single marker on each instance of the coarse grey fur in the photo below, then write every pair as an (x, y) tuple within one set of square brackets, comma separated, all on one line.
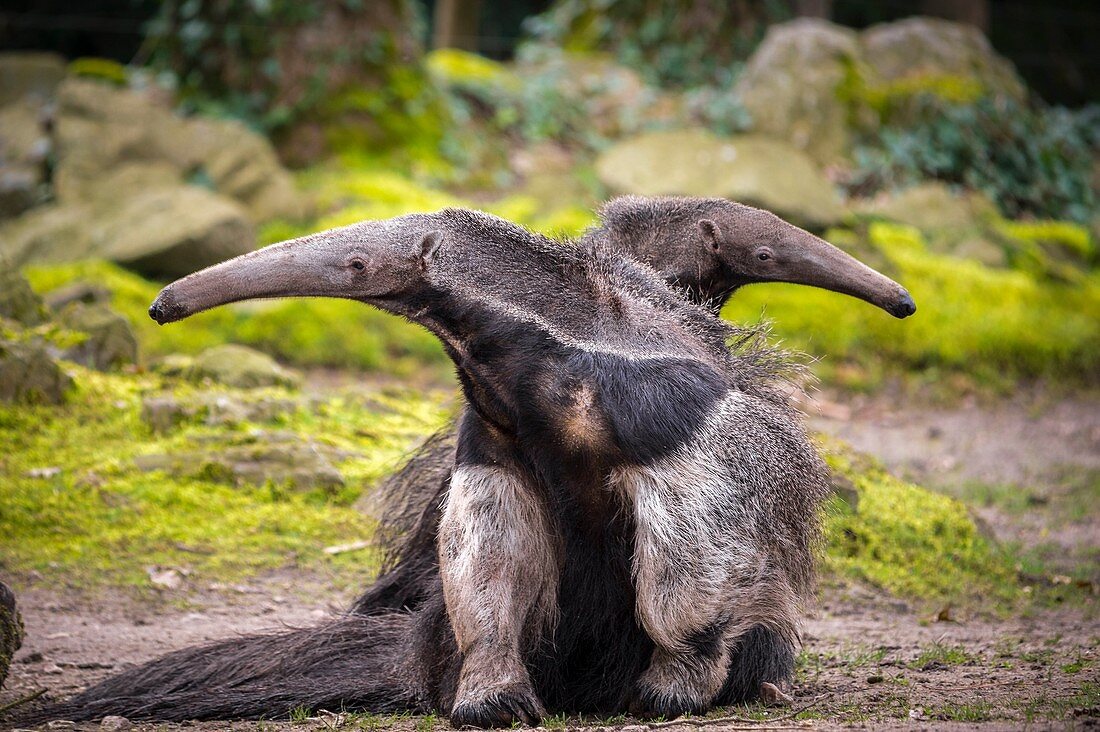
[(633, 500)]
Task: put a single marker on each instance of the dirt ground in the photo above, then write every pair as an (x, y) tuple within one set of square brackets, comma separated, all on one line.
[(868, 661)]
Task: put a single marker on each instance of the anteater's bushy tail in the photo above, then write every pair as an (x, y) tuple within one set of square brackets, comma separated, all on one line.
[(353, 662)]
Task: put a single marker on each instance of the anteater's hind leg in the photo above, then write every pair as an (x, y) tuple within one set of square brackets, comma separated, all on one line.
[(499, 562), (703, 581)]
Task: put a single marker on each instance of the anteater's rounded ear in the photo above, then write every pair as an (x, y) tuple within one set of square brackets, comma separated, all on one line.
[(712, 235), (429, 245)]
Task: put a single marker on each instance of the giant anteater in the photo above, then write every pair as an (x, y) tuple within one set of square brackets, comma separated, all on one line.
[(632, 499)]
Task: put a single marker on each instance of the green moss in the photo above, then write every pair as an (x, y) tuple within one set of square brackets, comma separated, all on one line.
[(464, 69), (103, 69), (886, 97), (317, 332), (95, 519), (861, 91), (910, 541), (1073, 237)]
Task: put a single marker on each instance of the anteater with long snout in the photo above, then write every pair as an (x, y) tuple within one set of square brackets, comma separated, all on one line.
[(631, 497)]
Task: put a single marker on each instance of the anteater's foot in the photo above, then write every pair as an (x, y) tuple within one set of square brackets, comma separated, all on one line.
[(504, 707), (649, 703)]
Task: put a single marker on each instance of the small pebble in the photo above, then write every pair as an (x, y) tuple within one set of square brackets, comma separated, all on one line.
[(115, 723), (52, 668), (876, 679)]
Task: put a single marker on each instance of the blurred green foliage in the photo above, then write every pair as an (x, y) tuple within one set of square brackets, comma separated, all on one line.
[(681, 43), (1032, 161)]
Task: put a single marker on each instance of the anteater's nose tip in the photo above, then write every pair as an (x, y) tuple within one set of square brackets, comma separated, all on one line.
[(904, 307), (164, 309)]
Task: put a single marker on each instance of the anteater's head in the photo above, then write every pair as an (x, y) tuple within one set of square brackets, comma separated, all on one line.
[(372, 261), (729, 244)]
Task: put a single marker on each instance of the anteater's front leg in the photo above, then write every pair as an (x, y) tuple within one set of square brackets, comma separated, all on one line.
[(500, 563)]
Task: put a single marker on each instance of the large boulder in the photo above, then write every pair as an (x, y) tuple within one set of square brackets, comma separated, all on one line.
[(930, 47), (240, 366), (954, 221), (812, 83), (48, 233), (790, 84), (11, 630), (245, 167), (24, 147), (752, 169), (29, 374), (160, 230), (29, 73), (102, 129), (110, 340), (173, 231)]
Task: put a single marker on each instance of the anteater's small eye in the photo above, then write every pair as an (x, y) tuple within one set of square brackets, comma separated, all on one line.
[(358, 264), (763, 256)]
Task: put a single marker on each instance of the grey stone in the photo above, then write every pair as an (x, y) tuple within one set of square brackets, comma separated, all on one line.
[(24, 146), (930, 206), (279, 458), (101, 129), (164, 413), (18, 301), (171, 232), (752, 169), (111, 341), (29, 374), (916, 47), (790, 83), (240, 366)]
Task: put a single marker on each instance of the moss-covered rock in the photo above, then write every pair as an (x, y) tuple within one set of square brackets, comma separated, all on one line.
[(161, 230), (109, 343), (240, 366), (908, 540), (953, 221), (102, 129), (917, 47), (930, 206), (790, 84), (748, 168), (280, 458), (164, 413), (94, 519), (18, 301), (30, 374), (816, 84), (11, 630)]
